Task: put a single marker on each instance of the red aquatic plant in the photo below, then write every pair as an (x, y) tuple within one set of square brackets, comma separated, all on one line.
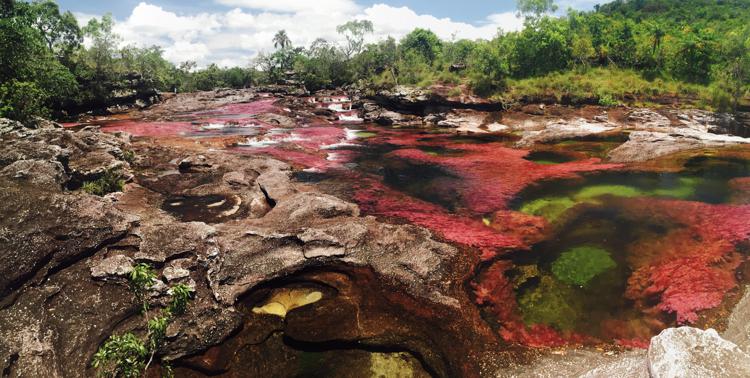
[(376, 198), (491, 175)]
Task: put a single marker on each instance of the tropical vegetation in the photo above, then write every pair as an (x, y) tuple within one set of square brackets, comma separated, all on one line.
[(627, 50)]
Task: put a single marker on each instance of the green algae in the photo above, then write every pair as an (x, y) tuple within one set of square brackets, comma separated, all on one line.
[(391, 365), (580, 265), (591, 192), (553, 207), (365, 134), (551, 302), (550, 208)]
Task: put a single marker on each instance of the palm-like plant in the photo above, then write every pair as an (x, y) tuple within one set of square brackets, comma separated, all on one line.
[(281, 40)]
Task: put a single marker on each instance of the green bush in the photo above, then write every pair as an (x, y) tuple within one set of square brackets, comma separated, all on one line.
[(121, 356), (22, 101), (110, 182), (128, 355)]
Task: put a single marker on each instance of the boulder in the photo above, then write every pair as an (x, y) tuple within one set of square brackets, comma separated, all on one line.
[(690, 352), (738, 329)]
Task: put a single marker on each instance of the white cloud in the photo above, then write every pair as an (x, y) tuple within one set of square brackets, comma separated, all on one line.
[(182, 51), (294, 6), (235, 36), (83, 18)]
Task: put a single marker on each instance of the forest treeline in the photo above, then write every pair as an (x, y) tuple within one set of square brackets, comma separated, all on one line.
[(626, 49)]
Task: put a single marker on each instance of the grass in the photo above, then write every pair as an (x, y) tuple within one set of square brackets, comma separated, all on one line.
[(608, 86)]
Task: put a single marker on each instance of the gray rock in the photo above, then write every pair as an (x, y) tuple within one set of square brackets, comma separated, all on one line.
[(36, 172), (687, 352), (172, 273), (582, 363), (114, 266), (738, 329)]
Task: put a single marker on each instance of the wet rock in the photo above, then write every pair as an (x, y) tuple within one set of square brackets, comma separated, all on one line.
[(691, 352), (375, 114), (114, 266), (433, 119), (278, 119)]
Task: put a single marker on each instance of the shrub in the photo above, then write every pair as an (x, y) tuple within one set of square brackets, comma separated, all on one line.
[(608, 100), (110, 182), (22, 101), (121, 356), (128, 355)]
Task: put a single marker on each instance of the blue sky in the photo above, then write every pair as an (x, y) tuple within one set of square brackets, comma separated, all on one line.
[(465, 10), (233, 32)]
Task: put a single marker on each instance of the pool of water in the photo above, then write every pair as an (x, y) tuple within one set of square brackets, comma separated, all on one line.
[(578, 280), (209, 209), (703, 179), (549, 157)]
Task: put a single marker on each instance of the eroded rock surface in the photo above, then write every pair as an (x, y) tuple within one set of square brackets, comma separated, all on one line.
[(65, 254), (690, 352)]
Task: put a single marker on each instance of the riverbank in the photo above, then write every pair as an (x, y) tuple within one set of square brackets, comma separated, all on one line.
[(402, 210)]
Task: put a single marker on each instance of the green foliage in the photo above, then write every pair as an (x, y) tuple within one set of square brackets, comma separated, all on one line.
[(128, 355), (579, 266), (157, 330), (180, 296), (643, 49), (536, 8), (606, 99), (21, 101), (141, 279), (421, 44), (354, 32), (121, 356), (281, 40), (110, 182)]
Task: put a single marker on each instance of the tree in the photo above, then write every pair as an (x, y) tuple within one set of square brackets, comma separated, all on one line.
[(355, 32), (281, 40), (535, 9), (31, 77), (60, 31), (99, 69), (423, 43)]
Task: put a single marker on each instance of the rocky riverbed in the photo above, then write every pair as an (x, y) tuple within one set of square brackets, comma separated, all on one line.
[(424, 235)]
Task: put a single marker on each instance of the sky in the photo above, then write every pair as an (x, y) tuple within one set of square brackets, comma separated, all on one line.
[(233, 32)]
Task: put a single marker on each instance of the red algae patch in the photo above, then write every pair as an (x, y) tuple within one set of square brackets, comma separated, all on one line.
[(151, 129), (376, 198)]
